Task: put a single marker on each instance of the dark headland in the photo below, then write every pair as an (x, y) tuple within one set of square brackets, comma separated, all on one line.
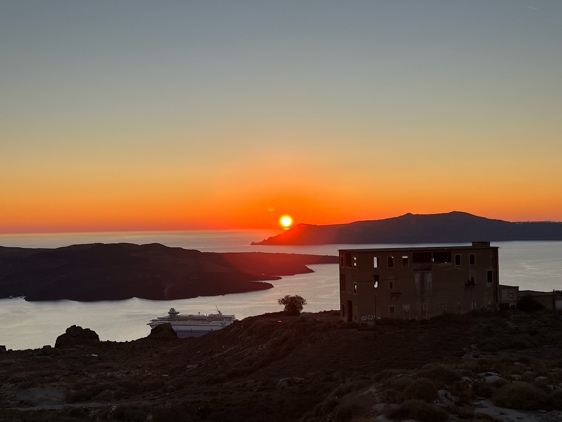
[(121, 271), (453, 227)]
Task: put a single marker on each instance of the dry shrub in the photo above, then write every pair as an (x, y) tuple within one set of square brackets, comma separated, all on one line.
[(520, 395), (418, 410), (421, 389), (349, 410), (392, 391), (441, 375), (539, 367), (521, 341), (347, 388), (327, 406)]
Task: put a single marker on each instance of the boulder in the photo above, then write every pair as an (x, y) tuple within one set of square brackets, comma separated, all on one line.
[(2, 348), (163, 332), (76, 335)]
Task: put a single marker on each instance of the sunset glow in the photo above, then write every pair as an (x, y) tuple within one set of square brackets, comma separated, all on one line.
[(286, 221), (225, 117)]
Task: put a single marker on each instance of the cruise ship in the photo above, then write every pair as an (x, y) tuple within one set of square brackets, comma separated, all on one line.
[(193, 324)]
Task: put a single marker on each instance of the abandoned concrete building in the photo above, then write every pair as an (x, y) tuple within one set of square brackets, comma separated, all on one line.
[(420, 282)]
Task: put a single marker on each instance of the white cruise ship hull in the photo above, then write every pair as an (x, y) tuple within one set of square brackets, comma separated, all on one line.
[(186, 325)]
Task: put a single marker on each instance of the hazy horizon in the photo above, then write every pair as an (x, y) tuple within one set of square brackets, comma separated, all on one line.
[(139, 116)]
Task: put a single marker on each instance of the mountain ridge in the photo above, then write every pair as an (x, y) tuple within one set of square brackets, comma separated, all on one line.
[(454, 226)]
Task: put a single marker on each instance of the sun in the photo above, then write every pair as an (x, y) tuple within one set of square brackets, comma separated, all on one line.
[(286, 221)]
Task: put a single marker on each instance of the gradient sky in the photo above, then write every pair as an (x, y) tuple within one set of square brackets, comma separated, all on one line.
[(141, 115)]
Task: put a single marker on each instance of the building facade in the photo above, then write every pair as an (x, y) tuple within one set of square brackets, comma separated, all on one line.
[(420, 282)]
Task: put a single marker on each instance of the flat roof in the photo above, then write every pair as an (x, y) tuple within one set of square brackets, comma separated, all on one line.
[(422, 248)]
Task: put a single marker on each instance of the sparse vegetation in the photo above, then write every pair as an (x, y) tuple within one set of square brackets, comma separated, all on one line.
[(313, 368), (520, 395), (417, 410), (421, 389)]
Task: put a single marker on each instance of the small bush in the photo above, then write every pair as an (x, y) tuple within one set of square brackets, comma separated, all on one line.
[(421, 389), (483, 389), (528, 304), (393, 391), (441, 375), (348, 411), (418, 410), (293, 304), (520, 395)]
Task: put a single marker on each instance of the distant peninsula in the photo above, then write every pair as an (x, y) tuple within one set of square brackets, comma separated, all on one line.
[(457, 227), (94, 272)]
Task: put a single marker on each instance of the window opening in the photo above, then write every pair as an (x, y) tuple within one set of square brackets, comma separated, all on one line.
[(442, 257), (405, 263)]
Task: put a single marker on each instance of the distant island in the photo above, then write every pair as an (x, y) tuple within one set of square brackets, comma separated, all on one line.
[(94, 272), (418, 228)]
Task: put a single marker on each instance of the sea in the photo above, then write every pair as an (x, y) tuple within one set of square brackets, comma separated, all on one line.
[(29, 325)]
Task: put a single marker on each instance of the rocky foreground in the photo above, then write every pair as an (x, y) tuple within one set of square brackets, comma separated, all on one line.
[(313, 367)]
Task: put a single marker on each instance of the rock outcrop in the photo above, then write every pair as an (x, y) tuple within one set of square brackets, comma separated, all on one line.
[(76, 335), (163, 332)]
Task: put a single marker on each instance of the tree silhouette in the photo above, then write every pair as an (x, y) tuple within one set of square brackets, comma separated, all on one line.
[(293, 304)]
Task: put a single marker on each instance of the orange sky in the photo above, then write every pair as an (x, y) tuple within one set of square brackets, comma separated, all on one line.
[(228, 118)]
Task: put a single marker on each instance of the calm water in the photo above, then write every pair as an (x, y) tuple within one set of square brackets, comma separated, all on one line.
[(530, 265)]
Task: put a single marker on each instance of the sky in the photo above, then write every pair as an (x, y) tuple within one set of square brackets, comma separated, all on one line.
[(143, 115)]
